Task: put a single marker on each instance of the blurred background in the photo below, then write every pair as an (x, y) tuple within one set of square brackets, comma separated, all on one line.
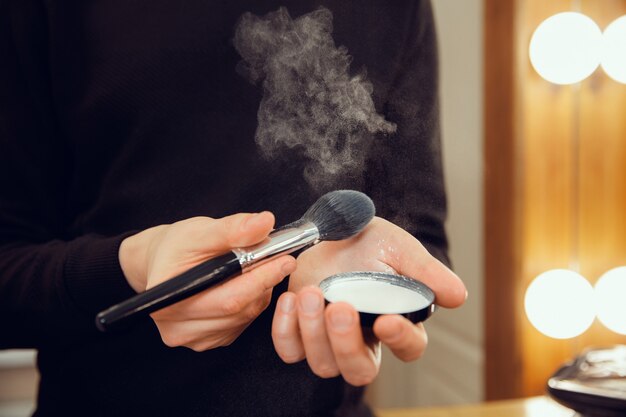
[(536, 180), (451, 370)]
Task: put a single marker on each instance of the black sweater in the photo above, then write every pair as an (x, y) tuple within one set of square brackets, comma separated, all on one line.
[(119, 115)]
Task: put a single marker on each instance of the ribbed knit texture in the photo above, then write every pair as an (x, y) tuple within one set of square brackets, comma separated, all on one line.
[(93, 274)]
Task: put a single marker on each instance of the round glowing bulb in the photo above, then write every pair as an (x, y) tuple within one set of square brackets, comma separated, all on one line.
[(565, 48), (560, 303), (613, 58), (610, 292)]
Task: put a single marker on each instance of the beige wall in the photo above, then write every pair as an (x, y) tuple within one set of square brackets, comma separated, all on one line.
[(18, 382), (451, 370)]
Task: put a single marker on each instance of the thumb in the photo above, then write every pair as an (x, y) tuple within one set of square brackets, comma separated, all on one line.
[(204, 236), (245, 229)]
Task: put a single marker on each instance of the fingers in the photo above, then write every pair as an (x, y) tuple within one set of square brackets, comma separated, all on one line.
[(215, 317), (201, 335), (449, 289), (285, 330), (233, 296), (330, 339), (414, 260), (237, 230), (358, 363), (319, 354), (208, 333), (185, 244), (244, 289), (186, 332), (248, 229), (406, 340)]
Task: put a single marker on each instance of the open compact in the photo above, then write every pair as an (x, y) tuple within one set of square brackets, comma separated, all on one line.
[(376, 293)]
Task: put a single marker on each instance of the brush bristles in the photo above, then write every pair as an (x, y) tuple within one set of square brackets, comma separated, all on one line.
[(340, 214)]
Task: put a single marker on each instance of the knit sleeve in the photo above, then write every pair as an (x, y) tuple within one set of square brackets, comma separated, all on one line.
[(51, 285)]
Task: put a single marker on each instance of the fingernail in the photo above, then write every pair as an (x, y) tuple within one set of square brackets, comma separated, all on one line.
[(341, 320), (287, 304), (310, 302)]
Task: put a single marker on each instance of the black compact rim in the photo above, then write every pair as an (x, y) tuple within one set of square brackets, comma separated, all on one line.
[(367, 319)]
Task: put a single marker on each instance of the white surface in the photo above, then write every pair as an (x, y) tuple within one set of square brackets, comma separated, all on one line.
[(17, 358), (369, 296), (613, 59), (17, 408), (610, 291), (560, 303), (566, 47), (17, 397)]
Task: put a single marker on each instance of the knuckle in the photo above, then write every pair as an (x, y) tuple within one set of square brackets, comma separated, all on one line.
[(347, 350), (262, 304), (171, 339), (265, 300), (231, 306), (227, 341), (326, 371), (412, 355), (282, 334), (290, 357), (206, 344), (254, 310), (190, 226), (229, 227), (252, 313), (360, 380), (198, 348)]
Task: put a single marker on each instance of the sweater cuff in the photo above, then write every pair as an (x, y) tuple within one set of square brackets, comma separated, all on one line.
[(93, 276)]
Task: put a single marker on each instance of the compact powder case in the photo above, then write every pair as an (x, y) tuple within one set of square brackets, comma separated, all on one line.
[(376, 293)]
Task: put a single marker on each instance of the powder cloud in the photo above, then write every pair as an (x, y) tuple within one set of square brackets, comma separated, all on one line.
[(311, 103)]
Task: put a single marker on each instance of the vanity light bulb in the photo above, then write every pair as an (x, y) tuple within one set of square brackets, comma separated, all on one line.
[(610, 291), (560, 303), (565, 48), (613, 58)]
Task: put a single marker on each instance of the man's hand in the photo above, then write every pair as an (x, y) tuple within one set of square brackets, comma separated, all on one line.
[(330, 338), (217, 316)]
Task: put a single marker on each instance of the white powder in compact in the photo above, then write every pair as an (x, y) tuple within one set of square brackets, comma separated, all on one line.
[(370, 296)]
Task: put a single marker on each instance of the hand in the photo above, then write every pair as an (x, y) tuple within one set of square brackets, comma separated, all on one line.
[(217, 316), (330, 338)]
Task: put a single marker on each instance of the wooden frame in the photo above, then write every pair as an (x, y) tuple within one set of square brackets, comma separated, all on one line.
[(537, 215), (501, 202)]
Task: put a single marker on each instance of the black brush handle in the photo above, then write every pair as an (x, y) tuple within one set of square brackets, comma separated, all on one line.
[(190, 282)]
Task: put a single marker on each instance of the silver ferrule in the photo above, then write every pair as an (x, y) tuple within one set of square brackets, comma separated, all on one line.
[(280, 242)]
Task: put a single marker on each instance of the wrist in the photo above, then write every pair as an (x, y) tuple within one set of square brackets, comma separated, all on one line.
[(134, 256)]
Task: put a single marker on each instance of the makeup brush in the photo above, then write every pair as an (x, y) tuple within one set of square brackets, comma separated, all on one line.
[(336, 215)]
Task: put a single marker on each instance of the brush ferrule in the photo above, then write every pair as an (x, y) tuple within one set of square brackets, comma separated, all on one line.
[(281, 242)]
